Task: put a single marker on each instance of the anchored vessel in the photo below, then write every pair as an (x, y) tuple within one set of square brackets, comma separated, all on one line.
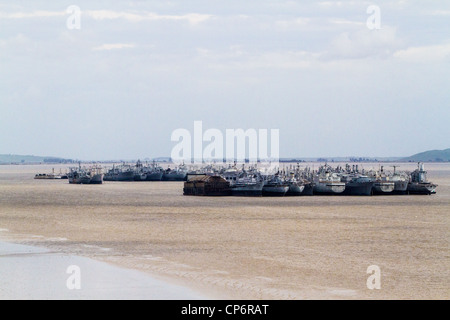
[(400, 182), (358, 185), (419, 183), (327, 182), (247, 188), (177, 174), (52, 175), (140, 172), (382, 185), (247, 184), (92, 175), (154, 172), (296, 185), (275, 187), (308, 189), (207, 186), (296, 188), (243, 182), (122, 172)]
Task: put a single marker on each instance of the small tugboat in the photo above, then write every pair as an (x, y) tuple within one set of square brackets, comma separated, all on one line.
[(53, 175), (419, 183)]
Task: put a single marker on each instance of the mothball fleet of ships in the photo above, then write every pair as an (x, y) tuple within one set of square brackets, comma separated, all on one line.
[(248, 180), (326, 180)]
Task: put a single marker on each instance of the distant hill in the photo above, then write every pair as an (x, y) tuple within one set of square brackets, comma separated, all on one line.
[(27, 159), (430, 156)]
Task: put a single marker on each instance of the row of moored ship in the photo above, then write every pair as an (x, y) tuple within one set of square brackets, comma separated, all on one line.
[(242, 181), (293, 181)]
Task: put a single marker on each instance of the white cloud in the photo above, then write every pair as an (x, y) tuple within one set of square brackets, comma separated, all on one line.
[(109, 15), (440, 13), (337, 21), (192, 18), (34, 14), (433, 53), (364, 43), (112, 46)]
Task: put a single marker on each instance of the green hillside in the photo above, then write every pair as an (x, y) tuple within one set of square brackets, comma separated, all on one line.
[(430, 156), (14, 158)]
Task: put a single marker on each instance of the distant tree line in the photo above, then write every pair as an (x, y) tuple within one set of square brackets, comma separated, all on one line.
[(58, 160)]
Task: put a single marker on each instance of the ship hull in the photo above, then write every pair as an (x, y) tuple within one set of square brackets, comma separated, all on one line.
[(275, 190), (121, 176), (47, 177), (308, 190), (401, 187), (96, 179), (80, 180), (421, 188), (359, 189), (254, 190), (174, 177), (322, 188), (125, 176), (154, 176), (383, 188), (140, 177), (295, 189)]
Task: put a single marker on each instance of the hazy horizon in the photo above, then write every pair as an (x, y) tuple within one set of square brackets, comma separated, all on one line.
[(117, 87), (307, 158)]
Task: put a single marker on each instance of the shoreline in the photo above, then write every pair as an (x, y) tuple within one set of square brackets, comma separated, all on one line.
[(38, 273)]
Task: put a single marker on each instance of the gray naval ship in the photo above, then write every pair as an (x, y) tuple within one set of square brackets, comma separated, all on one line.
[(299, 181), (154, 172), (358, 185), (382, 185), (92, 175), (177, 174), (419, 183), (296, 185), (140, 172), (307, 179), (274, 186), (243, 182), (247, 186), (327, 182), (308, 188), (400, 181), (356, 182), (123, 172), (145, 172)]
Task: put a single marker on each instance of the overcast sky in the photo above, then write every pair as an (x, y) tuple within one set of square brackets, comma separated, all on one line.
[(137, 70)]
